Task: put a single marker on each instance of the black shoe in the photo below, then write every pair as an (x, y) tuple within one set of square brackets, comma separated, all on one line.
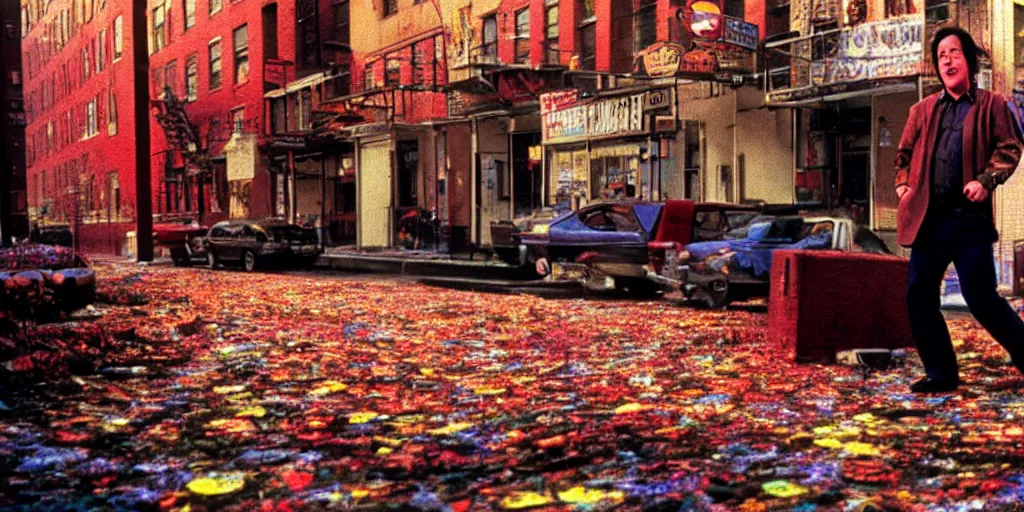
[(930, 385)]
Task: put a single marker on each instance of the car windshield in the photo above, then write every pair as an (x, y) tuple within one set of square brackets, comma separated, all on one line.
[(744, 229), (291, 233)]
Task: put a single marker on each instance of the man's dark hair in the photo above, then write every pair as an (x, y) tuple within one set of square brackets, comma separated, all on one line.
[(966, 41)]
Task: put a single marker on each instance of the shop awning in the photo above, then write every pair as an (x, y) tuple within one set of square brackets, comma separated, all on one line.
[(809, 99)]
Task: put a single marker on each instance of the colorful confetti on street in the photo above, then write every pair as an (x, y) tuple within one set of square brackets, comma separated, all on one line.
[(195, 390)]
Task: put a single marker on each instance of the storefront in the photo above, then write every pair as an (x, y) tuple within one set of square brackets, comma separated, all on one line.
[(604, 148)]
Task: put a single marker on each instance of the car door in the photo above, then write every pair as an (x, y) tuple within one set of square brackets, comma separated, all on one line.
[(614, 233), (231, 242), (217, 239)]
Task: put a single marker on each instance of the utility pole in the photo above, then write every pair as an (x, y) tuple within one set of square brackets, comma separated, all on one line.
[(143, 176)]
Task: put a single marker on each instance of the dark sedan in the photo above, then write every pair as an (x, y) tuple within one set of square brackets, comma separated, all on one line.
[(254, 243)]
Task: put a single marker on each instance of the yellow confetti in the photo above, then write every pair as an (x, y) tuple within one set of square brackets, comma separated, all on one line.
[(631, 408), (360, 493), (229, 390), (118, 422), (251, 412), (834, 444), (384, 450), (522, 500), (858, 448), (361, 417), (868, 418), (783, 489), (426, 372), (488, 391), (821, 431), (217, 484), (231, 426), (328, 387), (387, 441), (450, 429), (583, 496)]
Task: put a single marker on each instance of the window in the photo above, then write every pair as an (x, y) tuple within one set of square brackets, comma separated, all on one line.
[(111, 113), (216, 6), (159, 29), (215, 64), (339, 85), (238, 120), (277, 115), (90, 123), (368, 83), (270, 51), (171, 77), (307, 47), (613, 218), (734, 8), (523, 36), (114, 199), (101, 50), (86, 63), (305, 110), (936, 11), (192, 77), (393, 72), (341, 21), (390, 7), (490, 47), (242, 54), (586, 37), (552, 55), (118, 38), (190, 14), (644, 24), (24, 22)]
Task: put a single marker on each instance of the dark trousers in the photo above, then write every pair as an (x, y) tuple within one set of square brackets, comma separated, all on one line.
[(965, 241)]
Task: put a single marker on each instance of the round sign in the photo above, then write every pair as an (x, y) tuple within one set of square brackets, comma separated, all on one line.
[(706, 20)]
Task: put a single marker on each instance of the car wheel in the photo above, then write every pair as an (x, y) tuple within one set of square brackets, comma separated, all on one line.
[(249, 261), (211, 259)]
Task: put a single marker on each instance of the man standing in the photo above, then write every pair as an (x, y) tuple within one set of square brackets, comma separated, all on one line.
[(957, 146)]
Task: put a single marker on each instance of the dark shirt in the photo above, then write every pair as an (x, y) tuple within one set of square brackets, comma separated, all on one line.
[(948, 163)]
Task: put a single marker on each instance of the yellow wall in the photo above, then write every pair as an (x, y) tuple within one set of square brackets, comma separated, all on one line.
[(372, 32), (713, 105), (765, 141)]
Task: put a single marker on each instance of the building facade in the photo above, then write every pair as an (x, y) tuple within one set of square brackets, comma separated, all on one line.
[(80, 154), (13, 202)]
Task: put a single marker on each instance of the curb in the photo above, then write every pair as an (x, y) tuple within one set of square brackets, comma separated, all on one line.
[(423, 268)]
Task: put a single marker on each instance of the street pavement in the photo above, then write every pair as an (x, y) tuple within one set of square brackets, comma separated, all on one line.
[(190, 389)]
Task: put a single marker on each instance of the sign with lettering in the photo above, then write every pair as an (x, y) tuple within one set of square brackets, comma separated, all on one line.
[(705, 19), (657, 100), (662, 59), (557, 100), (698, 62), (612, 116), (740, 33)]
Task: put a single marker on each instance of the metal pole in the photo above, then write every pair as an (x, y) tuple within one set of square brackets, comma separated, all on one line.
[(143, 185)]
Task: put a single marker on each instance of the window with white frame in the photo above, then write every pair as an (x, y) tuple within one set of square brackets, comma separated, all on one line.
[(523, 36), (159, 28), (241, 40), (190, 14), (118, 37), (90, 119), (192, 77), (215, 65), (111, 113)]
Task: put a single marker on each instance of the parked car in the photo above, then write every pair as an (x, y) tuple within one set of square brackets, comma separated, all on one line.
[(186, 241), (739, 266), (506, 235), (57, 234), (611, 239), (256, 243)]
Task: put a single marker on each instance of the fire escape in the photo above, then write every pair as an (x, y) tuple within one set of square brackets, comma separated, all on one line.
[(183, 137)]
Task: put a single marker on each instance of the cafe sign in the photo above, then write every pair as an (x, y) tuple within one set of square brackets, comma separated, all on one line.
[(612, 116), (663, 59)]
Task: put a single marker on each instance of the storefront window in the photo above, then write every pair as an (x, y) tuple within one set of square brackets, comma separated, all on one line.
[(568, 177)]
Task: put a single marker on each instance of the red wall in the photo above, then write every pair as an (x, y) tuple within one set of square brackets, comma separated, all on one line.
[(217, 105), (103, 153)]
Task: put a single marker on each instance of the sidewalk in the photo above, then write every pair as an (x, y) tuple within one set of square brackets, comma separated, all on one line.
[(421, 263)]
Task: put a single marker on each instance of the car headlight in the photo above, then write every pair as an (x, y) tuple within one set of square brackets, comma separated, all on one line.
[(540, 229), (685, 256)]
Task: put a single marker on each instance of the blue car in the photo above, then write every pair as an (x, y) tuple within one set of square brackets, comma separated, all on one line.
[(614, 239), (738, 267)]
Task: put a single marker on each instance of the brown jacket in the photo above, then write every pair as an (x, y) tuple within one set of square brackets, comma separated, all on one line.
[(991, 154)]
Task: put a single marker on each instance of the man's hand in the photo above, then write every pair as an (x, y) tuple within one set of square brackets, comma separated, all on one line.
[(901, 191), (975, 191)]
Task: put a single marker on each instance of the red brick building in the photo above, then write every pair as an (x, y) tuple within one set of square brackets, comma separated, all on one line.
[(77, 88)]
